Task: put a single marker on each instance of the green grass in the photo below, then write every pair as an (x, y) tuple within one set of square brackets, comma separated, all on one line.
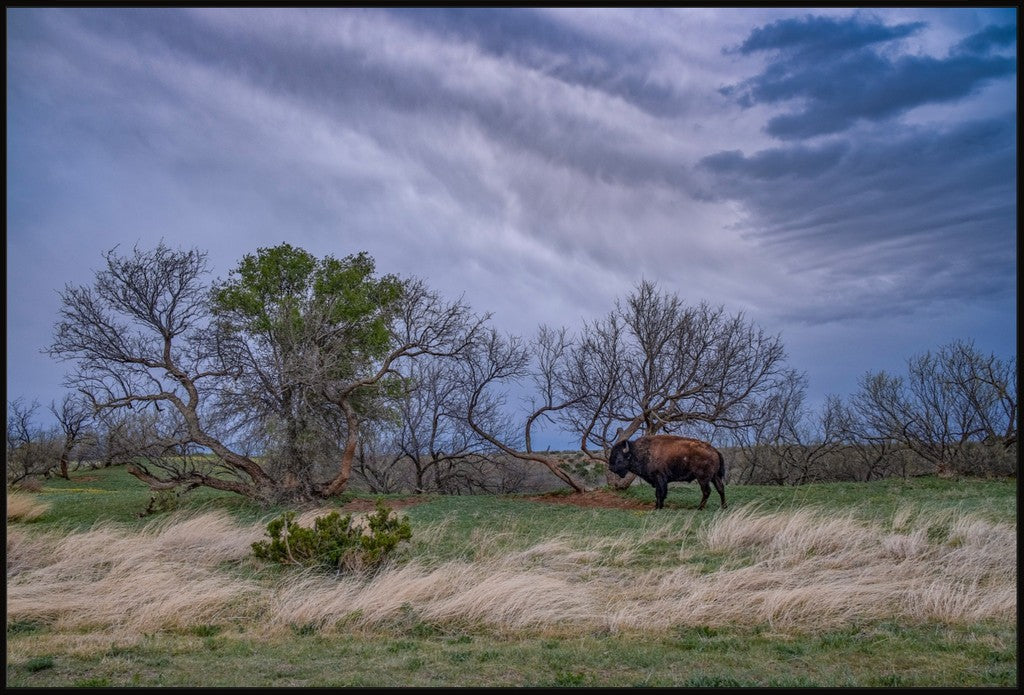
[(992, 499), (112, 494), (411, 652), (874, 656)]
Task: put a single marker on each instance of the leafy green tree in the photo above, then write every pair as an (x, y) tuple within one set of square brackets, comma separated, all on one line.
[(317, 344), (295, 324)]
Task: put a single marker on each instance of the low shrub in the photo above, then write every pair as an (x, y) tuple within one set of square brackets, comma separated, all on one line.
[(334, 542), (39, 663), (161, 501)]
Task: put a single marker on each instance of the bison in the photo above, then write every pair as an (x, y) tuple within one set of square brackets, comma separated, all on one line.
[(662, 458)]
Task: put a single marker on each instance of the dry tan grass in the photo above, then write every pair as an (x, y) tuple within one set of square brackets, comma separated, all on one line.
[(24, 507), (167, 575), (802, 569), (810, 569)]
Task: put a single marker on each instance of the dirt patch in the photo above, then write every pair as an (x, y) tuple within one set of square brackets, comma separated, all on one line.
[(595, 498), (86, 478), (368, 505)]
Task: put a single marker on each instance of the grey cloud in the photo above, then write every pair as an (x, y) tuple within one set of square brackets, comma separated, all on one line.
[(528, 159), (813, 36), (541, 42), (874, 89), (988, 39), (933, 211), (796, 161), (355, 88), (850, 81)]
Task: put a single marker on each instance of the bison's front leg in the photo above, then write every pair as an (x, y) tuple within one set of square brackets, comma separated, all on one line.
[(660, 493)]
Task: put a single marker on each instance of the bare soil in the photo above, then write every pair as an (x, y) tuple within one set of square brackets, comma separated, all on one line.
[(602, 499)]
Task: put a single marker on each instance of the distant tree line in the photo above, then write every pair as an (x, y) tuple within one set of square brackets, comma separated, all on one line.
[(953, 412), (296, 375)]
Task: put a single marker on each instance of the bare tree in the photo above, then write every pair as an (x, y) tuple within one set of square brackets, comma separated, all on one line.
[(938, 418), (808, 440), (592, 379), (495, 363), (139, 337), (32, 451), (657, 364), (769, 443), (73, 415), (425, 444), (377, 460), (870, 449), (951, 408), (989, 390), (118, 435), (432, 434)]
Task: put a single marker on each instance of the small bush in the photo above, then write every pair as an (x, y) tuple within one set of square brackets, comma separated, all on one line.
[(23, 627), (96, 682), (161, 501), (39, 663), (205, 630), (334, 542)]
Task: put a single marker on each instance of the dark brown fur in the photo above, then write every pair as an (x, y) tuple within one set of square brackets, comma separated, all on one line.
[(662, 458)]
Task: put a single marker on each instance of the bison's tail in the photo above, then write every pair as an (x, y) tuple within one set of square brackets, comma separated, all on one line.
[(721, 466)]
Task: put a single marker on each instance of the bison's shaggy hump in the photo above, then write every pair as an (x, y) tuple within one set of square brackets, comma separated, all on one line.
[(662, 458)]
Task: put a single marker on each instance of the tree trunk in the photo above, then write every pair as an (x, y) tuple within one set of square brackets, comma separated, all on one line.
[(340, 481), (65, 455)]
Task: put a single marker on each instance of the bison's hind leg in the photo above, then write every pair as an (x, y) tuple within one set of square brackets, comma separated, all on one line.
[(720, 486)]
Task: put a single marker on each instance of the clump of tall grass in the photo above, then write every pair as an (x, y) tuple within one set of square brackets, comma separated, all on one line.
[(169, 574), (808, 568), (805, 569), (24, 507)]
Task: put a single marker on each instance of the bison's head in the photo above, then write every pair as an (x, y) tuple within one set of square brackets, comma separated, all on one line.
[(621, 458)]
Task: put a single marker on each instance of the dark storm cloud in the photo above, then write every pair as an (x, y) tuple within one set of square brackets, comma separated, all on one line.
[(987, 39), (813, 37), (831, 66), (890, 217), (796, 161), (931, 210)]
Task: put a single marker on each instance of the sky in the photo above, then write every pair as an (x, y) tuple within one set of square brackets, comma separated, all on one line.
[(845, 177)]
